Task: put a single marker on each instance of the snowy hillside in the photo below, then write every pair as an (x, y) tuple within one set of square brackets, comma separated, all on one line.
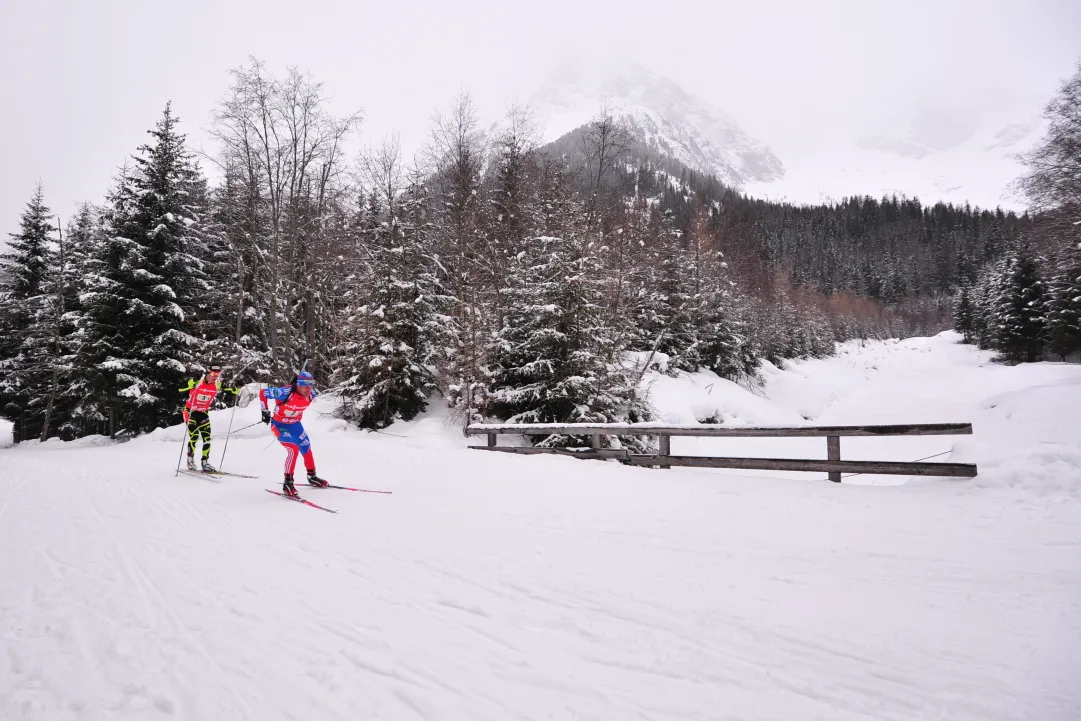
[(490, 586), (975, 164), (660, 114)]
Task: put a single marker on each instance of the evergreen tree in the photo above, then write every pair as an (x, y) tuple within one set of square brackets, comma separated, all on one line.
[(71, 395), (721, 340), (1063, 330), (144, 287), (667, 303), (388, 369), (25, 270), (549, 362), (458, 231), (962, 314), (1018, 313)]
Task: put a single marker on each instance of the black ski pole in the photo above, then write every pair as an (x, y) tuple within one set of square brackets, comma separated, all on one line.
[(236, 402), (238, 430), (183, 442)]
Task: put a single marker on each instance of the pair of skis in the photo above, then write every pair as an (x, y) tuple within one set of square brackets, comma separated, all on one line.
[(306, 502), (215, 476)]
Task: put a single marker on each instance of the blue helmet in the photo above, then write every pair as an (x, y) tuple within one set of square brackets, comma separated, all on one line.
[(304, 378)]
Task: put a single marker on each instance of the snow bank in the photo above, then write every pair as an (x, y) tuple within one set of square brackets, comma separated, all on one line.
[(1026, 418)]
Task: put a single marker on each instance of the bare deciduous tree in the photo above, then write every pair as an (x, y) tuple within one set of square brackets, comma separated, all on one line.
[(605, 142), (1053, 180), (280, 141)]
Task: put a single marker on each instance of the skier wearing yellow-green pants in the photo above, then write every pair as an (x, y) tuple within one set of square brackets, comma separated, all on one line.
[(196, 414)]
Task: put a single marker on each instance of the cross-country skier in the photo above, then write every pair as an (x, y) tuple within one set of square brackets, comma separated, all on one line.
[(200, 397), (290, 403)]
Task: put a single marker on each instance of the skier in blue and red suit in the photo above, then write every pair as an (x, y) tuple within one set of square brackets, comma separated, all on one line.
[(290, 403)]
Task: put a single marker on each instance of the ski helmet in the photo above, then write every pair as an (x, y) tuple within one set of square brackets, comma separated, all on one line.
[(304, 378)]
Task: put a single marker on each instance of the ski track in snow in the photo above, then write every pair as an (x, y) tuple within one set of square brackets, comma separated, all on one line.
[(496, 587)]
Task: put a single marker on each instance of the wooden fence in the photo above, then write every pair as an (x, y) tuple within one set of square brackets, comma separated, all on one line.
[(834, 466)]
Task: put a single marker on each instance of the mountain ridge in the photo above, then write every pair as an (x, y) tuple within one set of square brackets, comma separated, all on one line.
[(661, 115)]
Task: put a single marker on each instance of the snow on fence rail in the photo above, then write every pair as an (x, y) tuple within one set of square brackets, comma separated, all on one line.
[(834, 466)]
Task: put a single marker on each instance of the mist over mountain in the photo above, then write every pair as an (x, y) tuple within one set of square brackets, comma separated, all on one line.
[(948, 152), (661, 115)]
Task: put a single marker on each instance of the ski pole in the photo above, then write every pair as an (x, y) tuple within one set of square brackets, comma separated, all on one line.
[(236, 402), (238, 430), (183, 442), (228, 434)]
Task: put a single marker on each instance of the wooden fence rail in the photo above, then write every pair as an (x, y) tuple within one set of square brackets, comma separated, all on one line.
[(833, 465)]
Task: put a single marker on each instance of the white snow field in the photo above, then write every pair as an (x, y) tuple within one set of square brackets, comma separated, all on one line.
[(492, 586)]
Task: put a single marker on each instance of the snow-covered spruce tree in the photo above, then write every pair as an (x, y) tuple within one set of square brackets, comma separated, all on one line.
[(392, 326), (217, 307), (58, 333), (509, 194), (25, 269), (549, 362), (963, 321), (1019, 311), (146, 282), (1063, 328), (673, 299), (83, 231), (721, 339), (666, 306), (456, 156), (984, 294), (629, 272)]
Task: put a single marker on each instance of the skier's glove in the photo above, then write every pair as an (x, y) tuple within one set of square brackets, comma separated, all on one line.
[(266, 416), (185, 415)]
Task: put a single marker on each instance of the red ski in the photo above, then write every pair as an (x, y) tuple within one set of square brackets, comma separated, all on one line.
[(347, 488), (300, 500)]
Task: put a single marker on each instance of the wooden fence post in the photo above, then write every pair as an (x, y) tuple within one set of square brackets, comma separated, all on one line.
[(666, 448), (833, 453), (491, 440)]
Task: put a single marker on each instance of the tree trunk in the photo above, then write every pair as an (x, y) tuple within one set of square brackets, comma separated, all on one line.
[(56, 339)]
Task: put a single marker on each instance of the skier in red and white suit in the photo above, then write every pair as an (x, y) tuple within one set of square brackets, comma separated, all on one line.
[(290, 403)]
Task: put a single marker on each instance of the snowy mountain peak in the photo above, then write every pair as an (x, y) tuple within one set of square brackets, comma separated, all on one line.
[(661, 114)]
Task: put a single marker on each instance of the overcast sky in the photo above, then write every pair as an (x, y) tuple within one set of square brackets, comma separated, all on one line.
[(82, 80)]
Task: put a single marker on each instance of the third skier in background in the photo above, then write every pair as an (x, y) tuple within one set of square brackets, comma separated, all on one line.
[(291, 402)]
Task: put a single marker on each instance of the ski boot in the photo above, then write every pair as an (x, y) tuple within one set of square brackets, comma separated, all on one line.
[(191, 463), (314, 480), (288, 488), (207, 468)]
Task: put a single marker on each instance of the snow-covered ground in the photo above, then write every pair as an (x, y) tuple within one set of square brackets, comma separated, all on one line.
[(490, 586)]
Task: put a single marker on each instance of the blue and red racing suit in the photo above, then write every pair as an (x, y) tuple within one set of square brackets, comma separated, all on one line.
[(288, 412)]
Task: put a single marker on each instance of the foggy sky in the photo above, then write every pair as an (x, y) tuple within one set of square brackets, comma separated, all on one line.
[(82, 80)]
